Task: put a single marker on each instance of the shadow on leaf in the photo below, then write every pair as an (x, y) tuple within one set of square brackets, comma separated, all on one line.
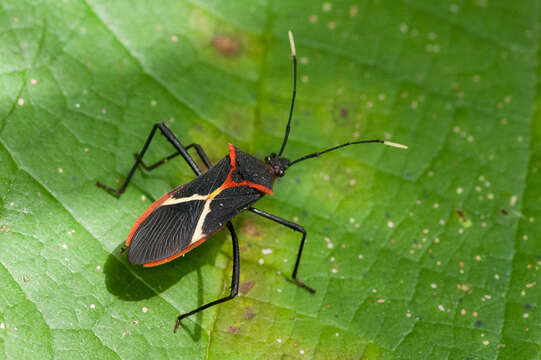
[(134, 283)]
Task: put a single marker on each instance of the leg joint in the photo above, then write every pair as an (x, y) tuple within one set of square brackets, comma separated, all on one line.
[(300, 228)]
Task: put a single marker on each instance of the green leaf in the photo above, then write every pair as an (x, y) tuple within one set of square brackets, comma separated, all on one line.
[(429, 253)]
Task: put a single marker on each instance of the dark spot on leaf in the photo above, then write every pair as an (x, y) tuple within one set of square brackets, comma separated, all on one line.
[(462, 215), (250, 227), (387, 215), (297, 181), (226, 45), (408, 175), (233, 329), (527, 306), (478, 323), (426, 196), (344, 112), (248, 313), (504, 212), (246, 286), (304, 213), (367, 243), (74, 178)]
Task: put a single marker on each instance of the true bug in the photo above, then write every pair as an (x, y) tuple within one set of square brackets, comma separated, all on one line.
[(186, 216)]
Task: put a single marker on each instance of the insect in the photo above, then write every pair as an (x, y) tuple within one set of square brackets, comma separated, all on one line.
[(188, 215)]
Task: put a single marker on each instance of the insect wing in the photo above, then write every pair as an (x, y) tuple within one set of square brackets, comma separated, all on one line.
[(166, 231), (169, 227), (227, 204)]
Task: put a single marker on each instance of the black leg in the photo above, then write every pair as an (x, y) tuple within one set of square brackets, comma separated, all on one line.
[(295, 227), (158, 163), (234, 280), (172, 139), (197, 147)]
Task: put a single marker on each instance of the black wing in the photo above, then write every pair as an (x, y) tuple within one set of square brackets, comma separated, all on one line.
[(206, 183), (227, 204), (166, 231), (169, 226)]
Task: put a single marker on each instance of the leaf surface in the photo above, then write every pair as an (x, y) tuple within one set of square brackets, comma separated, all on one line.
[(429, 253)]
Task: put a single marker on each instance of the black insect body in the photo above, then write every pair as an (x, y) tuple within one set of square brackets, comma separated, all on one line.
[(186, 216), (192, 212)]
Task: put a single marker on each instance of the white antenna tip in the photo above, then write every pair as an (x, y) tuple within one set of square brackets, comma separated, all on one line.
[(389, 143), (291, 43)]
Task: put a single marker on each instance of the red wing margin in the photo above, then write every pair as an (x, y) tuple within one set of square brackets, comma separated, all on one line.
[(166, 231)]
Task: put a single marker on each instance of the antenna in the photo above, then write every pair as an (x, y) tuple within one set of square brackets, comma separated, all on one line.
[(288, 127), (317, 154), (294, 55)]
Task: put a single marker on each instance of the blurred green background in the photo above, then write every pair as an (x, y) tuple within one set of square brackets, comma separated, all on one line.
[(429, 253)]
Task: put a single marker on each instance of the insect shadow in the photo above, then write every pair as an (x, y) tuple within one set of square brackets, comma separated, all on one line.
[(135, 283)]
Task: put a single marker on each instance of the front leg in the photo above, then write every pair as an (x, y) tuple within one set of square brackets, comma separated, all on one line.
[(295, 227)]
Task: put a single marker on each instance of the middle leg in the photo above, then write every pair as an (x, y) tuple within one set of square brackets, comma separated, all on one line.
[(197, 148), (295, 227)]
